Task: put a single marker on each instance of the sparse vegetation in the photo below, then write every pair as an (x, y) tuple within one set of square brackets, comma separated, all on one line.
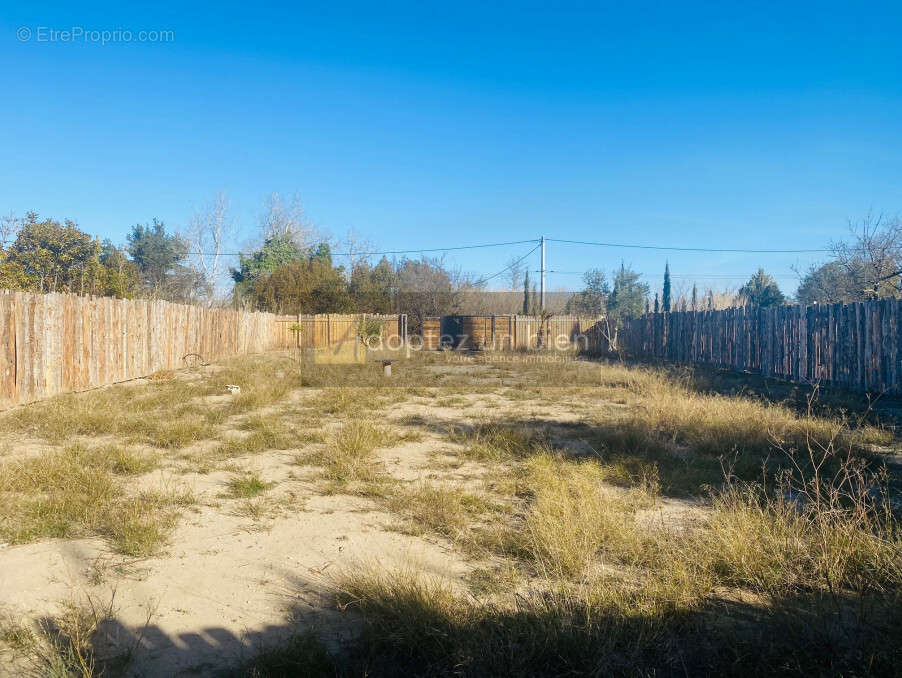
[(247, 486), (79, 491), (65, 644), (349, 455), (449, 512), (630, 518)]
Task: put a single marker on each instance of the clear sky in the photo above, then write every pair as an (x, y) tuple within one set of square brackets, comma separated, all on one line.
[(750, 125)]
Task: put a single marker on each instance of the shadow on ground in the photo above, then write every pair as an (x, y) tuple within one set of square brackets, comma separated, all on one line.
[(634, 453), (409, 630), (830, 401)]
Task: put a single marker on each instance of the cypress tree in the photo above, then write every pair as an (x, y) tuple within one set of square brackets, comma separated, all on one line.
[(666, 298), (694, 297), (656, 302), (526, 294), (534, 301), (646, 305)]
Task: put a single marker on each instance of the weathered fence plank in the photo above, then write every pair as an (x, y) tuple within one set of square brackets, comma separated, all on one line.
[(55, 343), (512, 332), (856, 346)]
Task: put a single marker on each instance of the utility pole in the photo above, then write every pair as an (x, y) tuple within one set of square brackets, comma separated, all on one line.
[(542, 283)]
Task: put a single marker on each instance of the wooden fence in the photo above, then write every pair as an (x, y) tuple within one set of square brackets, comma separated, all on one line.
[(510, 332), (856, 346), (331, 329), (56, 343)]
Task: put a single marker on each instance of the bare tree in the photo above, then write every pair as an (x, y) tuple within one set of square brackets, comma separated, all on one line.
[(9, 226), (356, 248), (515, 271), (283, 217), (210, 230), (874, 257), (426, 287), (680, 295), (717, 300)]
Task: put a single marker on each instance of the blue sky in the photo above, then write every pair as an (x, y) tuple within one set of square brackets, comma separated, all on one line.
[(438, 124)]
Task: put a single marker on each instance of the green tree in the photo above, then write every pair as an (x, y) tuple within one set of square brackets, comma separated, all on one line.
[(47, 256), (374, 289), (832, 283), (526, 294), (657, 305), (323, 252), (13, 276), (593, 299), (309, 286), (761, 290), (120, 276), (694, 297), (628, 295), (625, 299), (161, 257), (277, 250), (666, 297)]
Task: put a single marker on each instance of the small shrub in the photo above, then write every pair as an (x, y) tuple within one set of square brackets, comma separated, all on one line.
[(349, 454), (247, 486), (66, 644)]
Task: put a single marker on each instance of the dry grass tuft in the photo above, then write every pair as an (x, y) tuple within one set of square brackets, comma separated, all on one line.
[(785, 542), (437, 630), (140, 526), (668, 415), (450, 512), (247, 486), (265, 432), (349, 455), (493, 442), (573, 519), (70, 644), (79, 491)]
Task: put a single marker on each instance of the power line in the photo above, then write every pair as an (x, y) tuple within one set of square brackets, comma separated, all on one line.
[(724, 276), (726, 250), (720, 250), (558, 240), (373, 254), (385, 252), (685, 249), (509, 266), (434, 249)]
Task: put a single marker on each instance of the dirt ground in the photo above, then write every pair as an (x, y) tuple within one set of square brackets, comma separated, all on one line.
[(228, 583), (237, 574)]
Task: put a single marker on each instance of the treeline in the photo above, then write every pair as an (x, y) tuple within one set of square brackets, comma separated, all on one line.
[(866, 267), (285, 276), (290, 271), (49, 256)]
